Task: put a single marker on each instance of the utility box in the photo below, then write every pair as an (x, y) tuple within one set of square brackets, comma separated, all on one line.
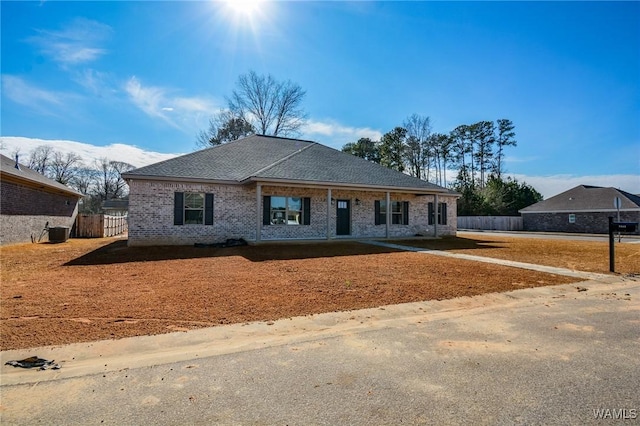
[(58, 234)]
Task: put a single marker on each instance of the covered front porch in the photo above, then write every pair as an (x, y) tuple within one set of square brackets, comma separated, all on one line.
[(286, 211)]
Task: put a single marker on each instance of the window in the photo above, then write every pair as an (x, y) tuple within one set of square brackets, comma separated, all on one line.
[(572, 218), (279, 210), (192, 208), (442, 214), (399, 212)]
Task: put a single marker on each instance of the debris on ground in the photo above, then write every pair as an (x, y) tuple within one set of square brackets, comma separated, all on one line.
[(35, 362)]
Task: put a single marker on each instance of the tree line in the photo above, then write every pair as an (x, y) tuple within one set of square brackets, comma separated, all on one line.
[(98, 181), (475, 150), (261, 104)]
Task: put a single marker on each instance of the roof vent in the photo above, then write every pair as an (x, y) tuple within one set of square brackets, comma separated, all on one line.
[(17, 166)]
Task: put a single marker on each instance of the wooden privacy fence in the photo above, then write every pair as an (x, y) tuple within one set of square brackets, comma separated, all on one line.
[(491, 223), (100, 225)]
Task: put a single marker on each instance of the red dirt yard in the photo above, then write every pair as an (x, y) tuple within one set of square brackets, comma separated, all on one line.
[(93, 289)]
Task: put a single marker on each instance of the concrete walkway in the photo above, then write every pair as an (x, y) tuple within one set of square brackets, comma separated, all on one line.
[(522, 265)]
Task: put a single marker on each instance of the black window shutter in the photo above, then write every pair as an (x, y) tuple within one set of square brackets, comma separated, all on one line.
[(430, 214), (266, 210), (306, 211), (444, 214), (405, 212), (208, 209), (178, 208), (377, 212)]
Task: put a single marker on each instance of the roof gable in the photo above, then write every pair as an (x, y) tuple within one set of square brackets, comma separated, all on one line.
[(31, 177), (233, 161), (269, 158), (585, 198)]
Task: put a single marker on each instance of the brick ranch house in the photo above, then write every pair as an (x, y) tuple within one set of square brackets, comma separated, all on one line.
[(583, 209), (29, 200), (265, 188)]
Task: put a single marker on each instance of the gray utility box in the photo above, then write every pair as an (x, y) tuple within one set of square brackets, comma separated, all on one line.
[(58, 234)]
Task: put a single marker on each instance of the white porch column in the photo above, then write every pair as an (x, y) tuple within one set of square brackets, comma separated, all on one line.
[(328, 213), (388, 213), (258, 212), (435, 212)]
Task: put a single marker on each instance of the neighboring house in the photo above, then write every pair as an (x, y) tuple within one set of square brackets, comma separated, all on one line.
[(583, 209), (115, 207), (29, 201), (264, 188)]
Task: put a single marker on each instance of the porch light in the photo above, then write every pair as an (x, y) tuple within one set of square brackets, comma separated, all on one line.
[(357, 202)]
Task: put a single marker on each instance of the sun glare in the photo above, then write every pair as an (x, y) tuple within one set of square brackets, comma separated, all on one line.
[(245, 8)]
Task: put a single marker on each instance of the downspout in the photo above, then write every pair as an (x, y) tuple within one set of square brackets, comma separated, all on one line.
[(328, 213), (258, 215), (388, 213)]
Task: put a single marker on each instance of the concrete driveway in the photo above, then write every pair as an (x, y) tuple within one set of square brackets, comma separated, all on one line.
[(551, 355)]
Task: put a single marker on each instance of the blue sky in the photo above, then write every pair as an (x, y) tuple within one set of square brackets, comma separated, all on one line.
[(150, 74)]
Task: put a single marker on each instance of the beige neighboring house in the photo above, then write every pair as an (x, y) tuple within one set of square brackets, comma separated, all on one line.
[(265, 188), (30, 201)]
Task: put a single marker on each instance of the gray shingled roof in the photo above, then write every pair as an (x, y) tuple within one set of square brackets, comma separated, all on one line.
[(268, 158), (585, 198), (7, 167)]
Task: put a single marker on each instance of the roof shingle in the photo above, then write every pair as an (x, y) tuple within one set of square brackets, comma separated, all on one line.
[(24, 173), (585, 198), (257, 158)]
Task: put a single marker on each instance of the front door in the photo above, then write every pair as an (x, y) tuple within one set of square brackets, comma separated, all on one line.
[(343, 217)]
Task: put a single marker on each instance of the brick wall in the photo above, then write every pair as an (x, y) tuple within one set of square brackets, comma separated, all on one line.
[(236, 215), (24, 211), (587, 223), (151, 214)]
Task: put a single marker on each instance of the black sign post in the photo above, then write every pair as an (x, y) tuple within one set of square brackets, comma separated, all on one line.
[(617, 227), (612, 254)]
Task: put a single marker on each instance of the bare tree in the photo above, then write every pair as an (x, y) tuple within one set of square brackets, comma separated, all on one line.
[(64, 167), (416, 151), (108, 180), (40, 159), (84, 180), (272, 107), (121, 189)]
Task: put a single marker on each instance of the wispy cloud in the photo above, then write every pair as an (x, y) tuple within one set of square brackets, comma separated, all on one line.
[(37, 99), (515, 159), (77, 43), (336, 135), (97, 83), (183, 113)]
